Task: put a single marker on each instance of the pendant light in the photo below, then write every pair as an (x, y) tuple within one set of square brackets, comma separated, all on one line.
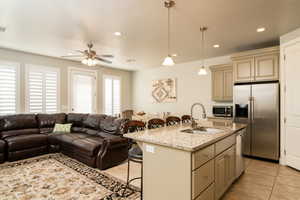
[(168, 61), (202, 70)]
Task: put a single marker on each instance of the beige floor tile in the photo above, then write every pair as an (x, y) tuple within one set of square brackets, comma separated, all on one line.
[(120, 172), (284, 192), (247, 162), (256, 178), (262, 167), (252, 190), (241, 195), (293, 181), (288, 171)]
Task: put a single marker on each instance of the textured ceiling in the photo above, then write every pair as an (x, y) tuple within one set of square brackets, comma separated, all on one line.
[(56, 27)]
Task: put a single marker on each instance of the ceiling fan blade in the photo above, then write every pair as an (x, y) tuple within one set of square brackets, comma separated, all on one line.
[(83, 52), (72, 56), (106, 56), (103, 60)]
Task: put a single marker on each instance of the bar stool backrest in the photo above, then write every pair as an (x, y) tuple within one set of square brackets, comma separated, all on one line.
[(172, 120), (186, 119), (156, 123)]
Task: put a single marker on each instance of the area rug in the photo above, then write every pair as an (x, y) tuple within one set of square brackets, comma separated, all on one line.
[(58, 177)]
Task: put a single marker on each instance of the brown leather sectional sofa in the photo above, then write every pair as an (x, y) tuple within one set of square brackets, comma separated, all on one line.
[(95, 140)]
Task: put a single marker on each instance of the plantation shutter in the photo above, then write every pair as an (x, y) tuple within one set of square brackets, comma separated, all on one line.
[(42, 90), (112, 95), (8, 89)]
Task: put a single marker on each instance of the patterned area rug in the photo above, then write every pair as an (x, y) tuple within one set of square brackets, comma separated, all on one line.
[(58, 177)]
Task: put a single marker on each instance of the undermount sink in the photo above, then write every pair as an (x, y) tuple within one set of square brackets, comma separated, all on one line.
[(202, 130)]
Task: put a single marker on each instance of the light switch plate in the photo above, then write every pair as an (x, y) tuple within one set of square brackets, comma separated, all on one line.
[(150, 149)]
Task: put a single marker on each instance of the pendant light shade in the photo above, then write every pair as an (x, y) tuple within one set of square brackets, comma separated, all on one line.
[(168, 61), (202, 70)]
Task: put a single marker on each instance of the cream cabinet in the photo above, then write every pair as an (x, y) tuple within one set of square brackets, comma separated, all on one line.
[(222, 82), (256, 65), (224, 171)]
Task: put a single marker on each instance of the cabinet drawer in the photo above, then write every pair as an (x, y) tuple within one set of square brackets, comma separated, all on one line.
[(225, 144), (202, 178), (208, 194), (202, 156)]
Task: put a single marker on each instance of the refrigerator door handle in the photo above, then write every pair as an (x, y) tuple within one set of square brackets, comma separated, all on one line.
[(249, 111), (252, 107)]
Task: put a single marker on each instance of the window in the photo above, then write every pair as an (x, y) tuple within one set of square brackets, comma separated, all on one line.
[(112, 95), (9, 88), (42, 89)]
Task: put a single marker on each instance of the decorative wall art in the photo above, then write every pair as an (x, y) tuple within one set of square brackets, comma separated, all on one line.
[(164, 90)]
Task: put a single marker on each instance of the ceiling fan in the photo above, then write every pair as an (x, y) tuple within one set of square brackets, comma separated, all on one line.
[(90, 56)]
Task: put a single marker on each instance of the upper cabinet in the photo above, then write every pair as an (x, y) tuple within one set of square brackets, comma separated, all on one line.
[(256, 65), (222, 82)]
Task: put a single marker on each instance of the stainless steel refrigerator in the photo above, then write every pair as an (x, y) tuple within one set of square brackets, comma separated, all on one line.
[(258, 105)]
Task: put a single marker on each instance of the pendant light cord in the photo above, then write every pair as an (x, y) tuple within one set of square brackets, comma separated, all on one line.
[(202, 49), (169, 31)]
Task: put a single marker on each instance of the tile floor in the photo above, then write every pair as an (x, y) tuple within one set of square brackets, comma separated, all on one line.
[(266, 181), (261, 181)]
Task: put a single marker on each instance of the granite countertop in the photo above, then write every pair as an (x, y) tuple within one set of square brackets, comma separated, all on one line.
[(171, 136)]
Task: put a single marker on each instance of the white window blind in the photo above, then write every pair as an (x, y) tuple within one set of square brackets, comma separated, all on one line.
[(112, 95), (42, 89), (8, 88)]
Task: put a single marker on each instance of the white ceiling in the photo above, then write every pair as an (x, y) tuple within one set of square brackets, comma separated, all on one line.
[(56, 27)]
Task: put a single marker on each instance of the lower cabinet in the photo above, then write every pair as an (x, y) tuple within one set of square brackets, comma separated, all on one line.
[(224, 171)]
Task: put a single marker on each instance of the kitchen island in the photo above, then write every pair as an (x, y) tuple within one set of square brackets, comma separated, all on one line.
[(189, 166)]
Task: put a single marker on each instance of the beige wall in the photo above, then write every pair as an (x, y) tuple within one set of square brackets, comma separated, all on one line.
[(191, 87), (27, 58)]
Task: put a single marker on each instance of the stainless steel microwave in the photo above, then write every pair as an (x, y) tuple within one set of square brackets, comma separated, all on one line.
[(223, 111)]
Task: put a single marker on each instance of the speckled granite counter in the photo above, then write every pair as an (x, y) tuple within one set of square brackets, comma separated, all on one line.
[(172, 136)]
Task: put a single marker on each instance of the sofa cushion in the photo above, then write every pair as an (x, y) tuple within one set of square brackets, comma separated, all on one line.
[(84, 130), (65, 138), (89, 146), (49, 120), (2, 146), (13, 133), (26, 141), (112, 125), (93, 121), (20, 121), (76, 119)]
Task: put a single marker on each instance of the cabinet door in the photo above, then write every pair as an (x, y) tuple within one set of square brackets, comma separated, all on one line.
[(243, 70), (220, 175), (228, 85), (266, 67), (230, 165), (217, 84)]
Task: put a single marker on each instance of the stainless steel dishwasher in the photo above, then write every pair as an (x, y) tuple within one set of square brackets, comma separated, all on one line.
[(240, 160)]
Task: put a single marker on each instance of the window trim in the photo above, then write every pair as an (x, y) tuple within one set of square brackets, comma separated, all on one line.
[(17, 66), (104, 91), (42, 68)]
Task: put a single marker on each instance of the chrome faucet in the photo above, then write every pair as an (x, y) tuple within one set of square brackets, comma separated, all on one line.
[(194, 124)]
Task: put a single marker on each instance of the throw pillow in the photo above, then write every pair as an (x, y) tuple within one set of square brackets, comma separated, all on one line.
[(65, 128)]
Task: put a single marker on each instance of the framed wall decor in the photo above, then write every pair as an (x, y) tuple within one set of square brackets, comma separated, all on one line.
[(164, 90)]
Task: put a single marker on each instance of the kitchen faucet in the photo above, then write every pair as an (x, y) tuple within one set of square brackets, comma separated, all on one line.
[(194, 124)]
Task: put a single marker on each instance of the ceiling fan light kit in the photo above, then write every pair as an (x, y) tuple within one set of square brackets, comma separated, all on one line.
[(168, 61), (90, 57)]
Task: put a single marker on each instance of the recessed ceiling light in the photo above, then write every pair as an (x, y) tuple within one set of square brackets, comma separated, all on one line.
[(70, 54), (174, 55), (216, 46), (262, 29), (117, 33), (2, 29)]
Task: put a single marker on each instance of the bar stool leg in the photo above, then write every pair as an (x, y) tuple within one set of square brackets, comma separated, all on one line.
[(127, 183), (141, 181)]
